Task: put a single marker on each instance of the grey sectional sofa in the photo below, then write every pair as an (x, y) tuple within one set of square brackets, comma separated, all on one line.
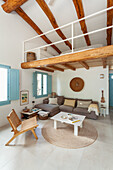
[(54, 109)]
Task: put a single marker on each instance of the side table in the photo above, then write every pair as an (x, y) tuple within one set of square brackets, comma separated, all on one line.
[(29, 114)]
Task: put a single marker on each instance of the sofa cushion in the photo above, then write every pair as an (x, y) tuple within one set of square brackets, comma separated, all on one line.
[(79, 110), (60, 100), (66, 108), (48, 107), (69, 102), (84, 112), (46, 101), (83, 103)]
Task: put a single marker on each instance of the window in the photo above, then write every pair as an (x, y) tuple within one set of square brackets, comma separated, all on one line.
[(41, 84), (9, 84), (4, 88)]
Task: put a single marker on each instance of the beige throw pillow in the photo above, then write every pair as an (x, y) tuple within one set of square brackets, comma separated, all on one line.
[(68, 102), (52, 100), (83, 104)]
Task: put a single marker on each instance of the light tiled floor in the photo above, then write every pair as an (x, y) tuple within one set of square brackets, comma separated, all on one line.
[(29, 154)]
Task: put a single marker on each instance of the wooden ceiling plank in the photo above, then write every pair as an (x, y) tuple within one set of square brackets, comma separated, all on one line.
[(109, 21), (69, 66), (104, 61), (44, 69), (56, 68), (84, 64), (12, 5), (101, 52), (26, 18), (80, 13), (52, 20)]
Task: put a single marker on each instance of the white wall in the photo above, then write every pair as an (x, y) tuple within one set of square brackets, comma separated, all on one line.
[(93, 84), (13, 31)]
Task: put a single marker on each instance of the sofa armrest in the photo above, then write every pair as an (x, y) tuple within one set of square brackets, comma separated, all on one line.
[(46, 101), (95, 102)]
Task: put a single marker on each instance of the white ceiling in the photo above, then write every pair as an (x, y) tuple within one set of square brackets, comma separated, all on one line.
[(64, 12)]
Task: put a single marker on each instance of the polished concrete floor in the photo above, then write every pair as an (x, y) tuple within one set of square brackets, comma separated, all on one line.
[(26, 153)]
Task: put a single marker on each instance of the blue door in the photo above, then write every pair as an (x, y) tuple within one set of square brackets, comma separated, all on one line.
[(111, 89)]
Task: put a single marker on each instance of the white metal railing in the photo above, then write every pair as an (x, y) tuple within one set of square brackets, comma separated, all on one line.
[(75, 37), (72, 29)]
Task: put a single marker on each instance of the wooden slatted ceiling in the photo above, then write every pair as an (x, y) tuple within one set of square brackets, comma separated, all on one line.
[(52, 20), (69, 66), (44, 69), (84, 65), (80, 13), (102, 52), (56, 68), (109, 21)]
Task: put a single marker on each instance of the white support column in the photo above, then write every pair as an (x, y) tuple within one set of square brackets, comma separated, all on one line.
[(23, 52), (72, 37), (75, 130)]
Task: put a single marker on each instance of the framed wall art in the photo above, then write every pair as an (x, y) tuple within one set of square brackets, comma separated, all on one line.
[(24, 97)]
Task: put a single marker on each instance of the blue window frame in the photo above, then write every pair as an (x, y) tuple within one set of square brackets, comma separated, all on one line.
[(9, 84), (42, 84), (4, 85)]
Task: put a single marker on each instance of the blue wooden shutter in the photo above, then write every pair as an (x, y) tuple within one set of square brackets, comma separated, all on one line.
[(13, 84), (35, 84), (49, 86)]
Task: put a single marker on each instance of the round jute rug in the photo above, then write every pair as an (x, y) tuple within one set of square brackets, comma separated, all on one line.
[(64, 137)]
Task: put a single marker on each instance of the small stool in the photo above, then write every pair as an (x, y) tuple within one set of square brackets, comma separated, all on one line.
[(43, 115), (103, 111)]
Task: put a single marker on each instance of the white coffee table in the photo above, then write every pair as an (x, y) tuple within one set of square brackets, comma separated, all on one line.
[(58, 117)]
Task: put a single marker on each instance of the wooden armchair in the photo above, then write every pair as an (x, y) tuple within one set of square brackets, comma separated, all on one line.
[(26, 125)]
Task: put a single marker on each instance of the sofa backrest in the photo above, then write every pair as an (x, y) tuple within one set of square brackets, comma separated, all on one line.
[(62, 98)]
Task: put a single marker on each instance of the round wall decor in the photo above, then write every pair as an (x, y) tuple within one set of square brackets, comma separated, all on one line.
[(77, 84)]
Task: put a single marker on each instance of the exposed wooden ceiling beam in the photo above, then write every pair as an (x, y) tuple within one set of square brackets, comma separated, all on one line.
[(26, 18), (84, 64), (109, 21), (102, 52), (104, 61), (12, 5), (80, 12), (56, 68), (52, 20), (69, 66), (44, 69)]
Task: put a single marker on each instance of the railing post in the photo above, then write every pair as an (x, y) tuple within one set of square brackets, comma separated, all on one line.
[(23, 52), (72, 37)]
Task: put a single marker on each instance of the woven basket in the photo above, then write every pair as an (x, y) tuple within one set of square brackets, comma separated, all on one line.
[(31, 56), (43, 117)]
